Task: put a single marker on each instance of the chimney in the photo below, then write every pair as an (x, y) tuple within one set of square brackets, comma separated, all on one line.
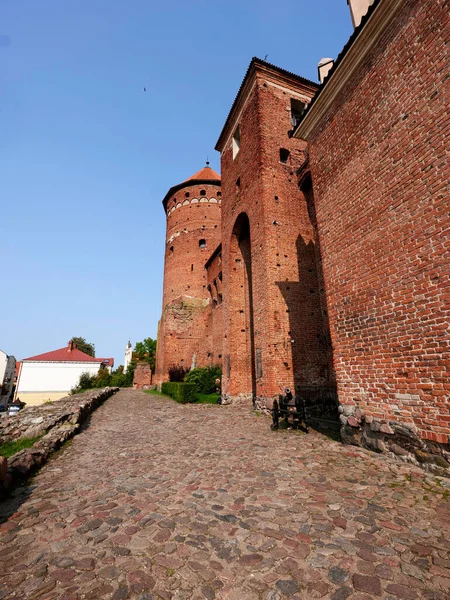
[(359, 8), (71, 346), (324, 67)]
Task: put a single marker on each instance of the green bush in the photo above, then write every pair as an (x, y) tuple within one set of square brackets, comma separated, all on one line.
[(86, 382), (204, 378), (102, 379), (119, 380), (179, 391)]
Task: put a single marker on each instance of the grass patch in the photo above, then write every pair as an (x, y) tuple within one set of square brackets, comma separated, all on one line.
[(199, 398), (206, 398), (11, 448)]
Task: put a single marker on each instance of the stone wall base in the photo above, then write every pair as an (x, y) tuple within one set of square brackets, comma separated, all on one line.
[(240, 400), (264, 404), (391, 437)]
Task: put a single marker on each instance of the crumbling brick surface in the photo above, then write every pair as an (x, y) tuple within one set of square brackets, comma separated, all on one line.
[(142, 378)]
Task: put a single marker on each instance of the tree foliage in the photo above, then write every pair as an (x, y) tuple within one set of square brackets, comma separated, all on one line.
[(145, 351), (84, 346)]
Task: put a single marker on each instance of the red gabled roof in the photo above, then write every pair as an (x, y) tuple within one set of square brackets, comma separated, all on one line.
[(67, 354), (204, 174)]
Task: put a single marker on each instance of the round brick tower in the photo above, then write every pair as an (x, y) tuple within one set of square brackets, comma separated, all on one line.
[(193, 232)]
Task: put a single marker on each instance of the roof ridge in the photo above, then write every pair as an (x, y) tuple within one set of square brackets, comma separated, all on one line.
[(259, 61)]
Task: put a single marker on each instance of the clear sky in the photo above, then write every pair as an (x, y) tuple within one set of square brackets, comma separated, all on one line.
[(86, 156)]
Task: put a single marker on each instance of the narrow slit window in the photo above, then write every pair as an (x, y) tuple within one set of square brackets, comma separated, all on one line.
[(236, 141), (297, 108), (202, 243)]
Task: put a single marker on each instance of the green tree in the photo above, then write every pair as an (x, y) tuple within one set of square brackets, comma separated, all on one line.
[(84, 346), (145, 351)]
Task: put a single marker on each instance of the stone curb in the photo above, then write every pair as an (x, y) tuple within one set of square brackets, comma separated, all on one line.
[(60, 427)]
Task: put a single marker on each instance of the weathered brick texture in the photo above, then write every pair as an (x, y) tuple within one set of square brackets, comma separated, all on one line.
[(380, 169), (142, 378), (193, 231), (274, 333)]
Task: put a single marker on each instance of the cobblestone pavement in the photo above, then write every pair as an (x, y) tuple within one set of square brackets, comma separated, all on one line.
[(161, 501)]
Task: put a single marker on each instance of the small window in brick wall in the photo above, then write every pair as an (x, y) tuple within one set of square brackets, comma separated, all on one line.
[(297, 108), (202, 243), (187, 194), (236, 141), (284, 155), (202, 192), (171, 249)]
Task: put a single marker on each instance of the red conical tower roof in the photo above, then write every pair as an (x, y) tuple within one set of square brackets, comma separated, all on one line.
[(205, 174)]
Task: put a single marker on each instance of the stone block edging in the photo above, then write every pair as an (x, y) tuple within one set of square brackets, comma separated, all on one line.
[(56, 422)]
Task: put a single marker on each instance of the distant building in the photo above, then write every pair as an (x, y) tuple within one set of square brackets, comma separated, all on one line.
[(7, 368), (128, 356), (51, 376)]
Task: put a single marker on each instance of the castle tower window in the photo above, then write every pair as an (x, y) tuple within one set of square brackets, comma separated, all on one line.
[(297, 108), (202, 193), (171, 249), (219, 194), (284, 155), (202, 243), (187, 194), (236, 141)]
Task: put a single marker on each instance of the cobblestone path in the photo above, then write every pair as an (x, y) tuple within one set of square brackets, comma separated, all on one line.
[(161, 501)]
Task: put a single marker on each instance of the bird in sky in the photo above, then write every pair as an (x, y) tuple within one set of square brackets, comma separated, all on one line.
[(145, 89)]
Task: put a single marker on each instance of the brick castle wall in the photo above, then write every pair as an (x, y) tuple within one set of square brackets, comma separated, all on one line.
[(274, 329), (380, 168)]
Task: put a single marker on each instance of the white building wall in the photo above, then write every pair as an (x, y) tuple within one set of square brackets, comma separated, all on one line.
[(52, 376)]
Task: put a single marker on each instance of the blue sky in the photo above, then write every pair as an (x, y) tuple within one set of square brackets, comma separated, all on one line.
[(86, 155)]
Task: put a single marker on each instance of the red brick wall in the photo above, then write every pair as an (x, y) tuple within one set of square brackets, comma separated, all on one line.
[(142, 376), (187, 223), (285, 318), (186, 324), (380, 168)]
